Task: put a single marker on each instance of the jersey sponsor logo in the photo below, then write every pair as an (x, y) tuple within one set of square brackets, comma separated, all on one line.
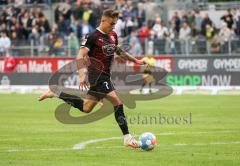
[(113, 38), (101, 40), (109, 49)]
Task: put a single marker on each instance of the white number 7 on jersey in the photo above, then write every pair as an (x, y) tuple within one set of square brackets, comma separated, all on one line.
[(106, 84)]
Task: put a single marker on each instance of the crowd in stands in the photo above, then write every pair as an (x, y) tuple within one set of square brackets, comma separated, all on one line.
[(139, 25), (194, 26), (22, 2)]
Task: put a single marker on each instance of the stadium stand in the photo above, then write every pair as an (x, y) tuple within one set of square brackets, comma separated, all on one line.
[(55, 28)]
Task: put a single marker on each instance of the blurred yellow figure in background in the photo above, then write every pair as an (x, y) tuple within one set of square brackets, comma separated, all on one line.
[(147, 73)]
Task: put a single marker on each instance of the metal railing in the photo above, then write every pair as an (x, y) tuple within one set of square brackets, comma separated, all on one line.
[(178, 47), (69, 47), (219, 5)]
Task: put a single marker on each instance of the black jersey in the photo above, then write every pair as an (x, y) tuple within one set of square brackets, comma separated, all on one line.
[(101, 47)]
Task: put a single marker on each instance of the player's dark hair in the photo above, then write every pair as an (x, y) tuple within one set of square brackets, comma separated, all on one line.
[(110, 13)]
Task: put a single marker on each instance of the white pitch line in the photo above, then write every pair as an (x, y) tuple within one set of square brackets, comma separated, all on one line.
[(37, 150), (198, 132), (180, 144), (177, 144), (82, 145), (116, 147), (211, 143), (224, 143)]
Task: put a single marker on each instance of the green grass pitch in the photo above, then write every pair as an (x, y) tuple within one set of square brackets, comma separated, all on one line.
[(31, 136)]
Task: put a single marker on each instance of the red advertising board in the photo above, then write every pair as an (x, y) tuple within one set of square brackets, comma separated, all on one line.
[(36, 65), (50, 65)]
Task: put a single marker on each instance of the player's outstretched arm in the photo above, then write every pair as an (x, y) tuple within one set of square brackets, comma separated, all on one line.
[(83, 62), (125, 55)]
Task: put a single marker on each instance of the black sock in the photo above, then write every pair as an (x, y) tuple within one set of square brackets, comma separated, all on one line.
[(74, 101), (120, 118), (150, 85), (143, 85)]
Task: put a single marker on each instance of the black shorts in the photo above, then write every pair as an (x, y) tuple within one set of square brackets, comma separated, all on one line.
[(100, 87), (147, 72)]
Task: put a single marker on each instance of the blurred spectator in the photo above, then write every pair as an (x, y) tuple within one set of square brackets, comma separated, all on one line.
[(18, 32), (185, 32), (197, 20), (129, 11), (136, 49), (143, 34), (128, 26), (237, 19), (228, 18), (5, 44), (215, 45), (66, 10), (160, 32), (35, 36), (55, 44), (3, 2), (63, 26), (185, 17), (86, 28), (150, 13), (34, 1), (90, 16), (209, 32), (225, 35), (77, 11), (86, 13), (74, 44), (44, 25), (50, 43), (57, 13), (4, 27), (150, 43), (76, 28), (184, 36), (120, 5), (119, 27), (141, 14), (206, 20), (171, 47), (96, 15), (176, 22), (19, 2), (26, 22), (160, 29)]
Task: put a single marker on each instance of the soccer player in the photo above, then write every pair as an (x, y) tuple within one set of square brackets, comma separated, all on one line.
[(147, 73), (101, 45)]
